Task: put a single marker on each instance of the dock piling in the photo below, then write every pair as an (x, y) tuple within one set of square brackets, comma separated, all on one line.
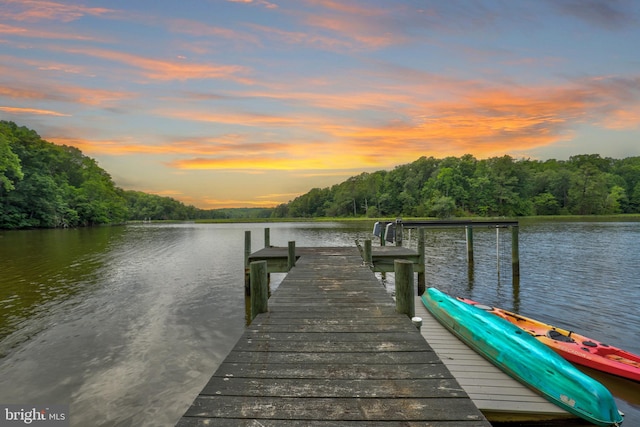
[(422, 282), (291, 255), (469, 234), (515, 254), (405, 301), (399, 232), (259, 288), (367, 256), (247, 253)]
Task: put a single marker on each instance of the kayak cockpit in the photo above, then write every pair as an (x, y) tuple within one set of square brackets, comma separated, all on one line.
[(557, 336)]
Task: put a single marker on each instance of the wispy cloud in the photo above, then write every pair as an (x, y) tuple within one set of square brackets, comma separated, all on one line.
[(68, 94), (232, 118), (35, 33), (32, 111), (368, 25), (263, 3), (201, 29), (44, 10), (609, 14), (166, 70)]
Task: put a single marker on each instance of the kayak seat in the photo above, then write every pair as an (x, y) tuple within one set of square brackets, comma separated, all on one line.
[(555, 335)]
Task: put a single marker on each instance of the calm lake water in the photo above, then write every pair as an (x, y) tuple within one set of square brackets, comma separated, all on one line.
[(127, 324)]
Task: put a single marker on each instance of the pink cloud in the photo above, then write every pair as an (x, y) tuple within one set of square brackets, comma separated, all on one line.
[(36, 33), (165, 70), (39, 10)]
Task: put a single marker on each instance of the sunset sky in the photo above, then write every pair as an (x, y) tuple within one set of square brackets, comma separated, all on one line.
[(234, 103)]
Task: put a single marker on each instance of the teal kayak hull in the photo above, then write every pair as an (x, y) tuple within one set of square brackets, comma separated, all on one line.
[(526, 359)]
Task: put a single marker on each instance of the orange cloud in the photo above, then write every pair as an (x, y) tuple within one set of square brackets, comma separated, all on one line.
[(290, 157), (111, 148), (245, 119), (623, 119), (484, 120), (18, 110), (223, 146), (232, 203), (277, 196), (70, 94)]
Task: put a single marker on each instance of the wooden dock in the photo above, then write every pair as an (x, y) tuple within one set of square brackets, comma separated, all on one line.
[(332, 351)]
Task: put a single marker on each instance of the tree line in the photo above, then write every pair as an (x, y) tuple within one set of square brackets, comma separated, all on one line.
[(465, 186), (44, 185), (47, 185)]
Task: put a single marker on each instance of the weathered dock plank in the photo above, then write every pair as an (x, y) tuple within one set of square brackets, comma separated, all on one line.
[(332, 351)]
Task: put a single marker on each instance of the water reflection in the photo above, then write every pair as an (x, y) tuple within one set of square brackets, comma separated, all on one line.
[(42, 270)]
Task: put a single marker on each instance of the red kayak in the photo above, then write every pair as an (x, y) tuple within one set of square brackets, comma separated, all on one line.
[(574, 347)]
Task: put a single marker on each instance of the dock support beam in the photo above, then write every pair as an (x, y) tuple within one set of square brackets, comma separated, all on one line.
[(422, 283), (405, 301), (291, 255), (515, 254), (399, 232), (259, 288), (247, 253), (469, 233)]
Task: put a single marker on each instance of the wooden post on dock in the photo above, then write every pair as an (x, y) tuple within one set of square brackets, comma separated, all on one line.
[(247, 247), (405, 301), (291, 255), (515, 254), (469, 233), (422, 283), (259, 288), (267, 244), (368, 254), (399, 232), (247, 253)]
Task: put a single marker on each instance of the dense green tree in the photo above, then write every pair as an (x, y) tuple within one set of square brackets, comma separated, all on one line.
[(498, 186), (443, 207), (546, 204), (10, 167), (48, 185), (628, 170)]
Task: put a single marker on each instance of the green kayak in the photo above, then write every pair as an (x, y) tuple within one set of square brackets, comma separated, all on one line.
[(525, 358)]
